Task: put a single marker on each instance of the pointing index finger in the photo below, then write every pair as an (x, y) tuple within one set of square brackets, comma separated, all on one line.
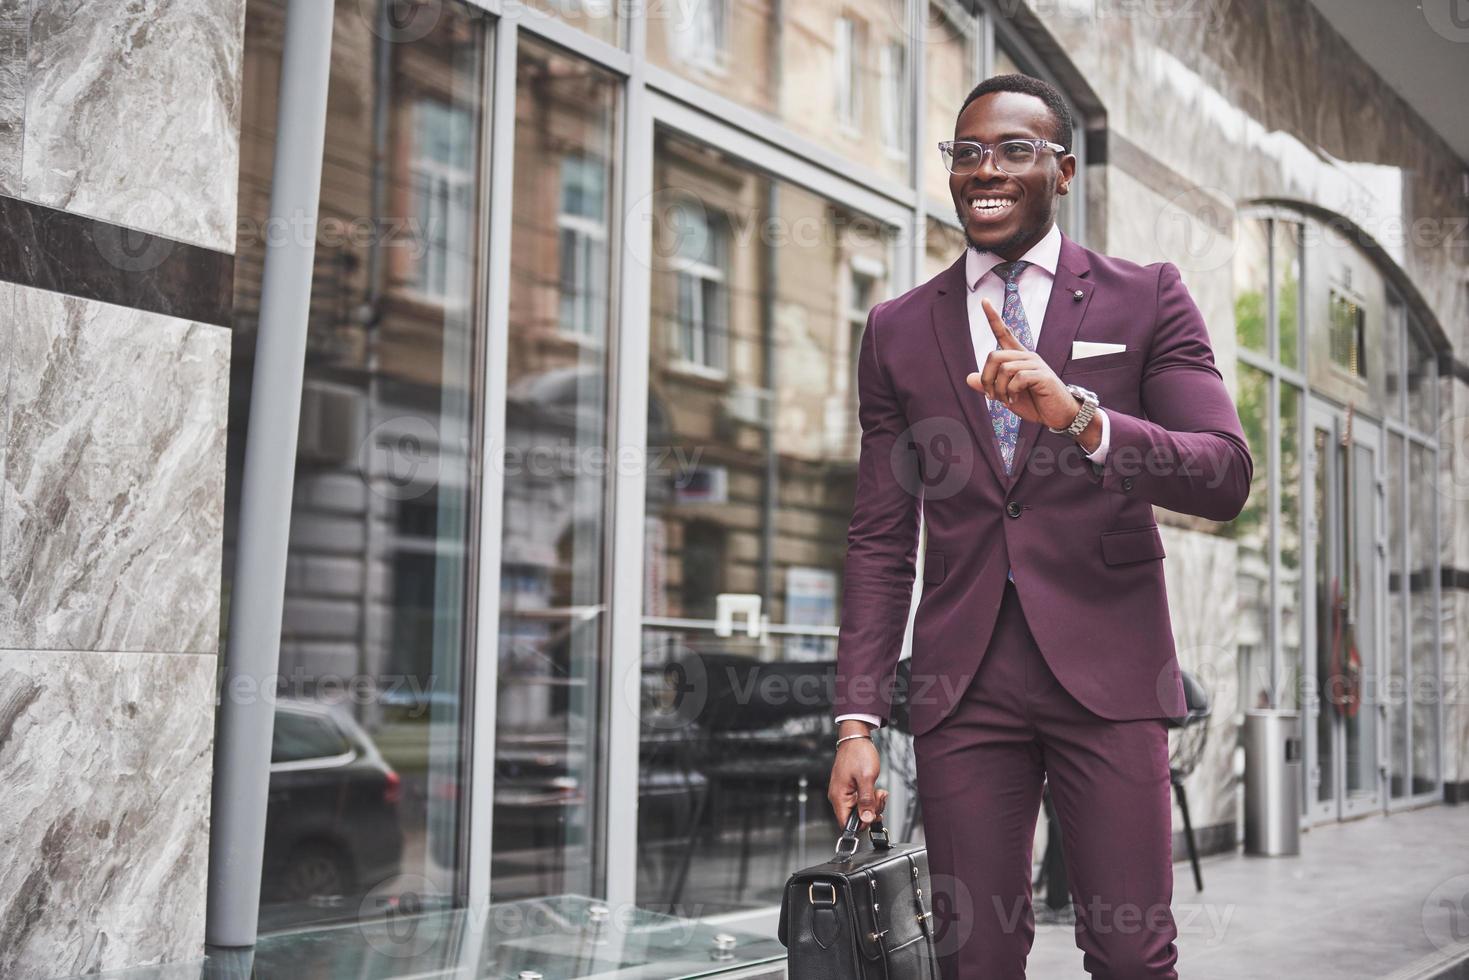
[(1004, 339)]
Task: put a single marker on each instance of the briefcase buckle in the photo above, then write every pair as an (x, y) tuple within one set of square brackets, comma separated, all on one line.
[(831, 889)]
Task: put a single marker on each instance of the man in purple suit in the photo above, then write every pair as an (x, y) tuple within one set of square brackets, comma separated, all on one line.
[(1028, 406)]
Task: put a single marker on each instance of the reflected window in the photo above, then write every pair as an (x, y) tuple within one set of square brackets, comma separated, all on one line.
[(700, 39), (443, 180), (582, 235), (700, 263), (893, 71), (848, 48), (1348, 333)]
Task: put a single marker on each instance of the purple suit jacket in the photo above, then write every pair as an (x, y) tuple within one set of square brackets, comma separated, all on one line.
[(1082, 539)]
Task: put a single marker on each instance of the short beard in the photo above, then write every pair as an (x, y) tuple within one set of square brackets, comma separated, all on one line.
[(1020, 237)]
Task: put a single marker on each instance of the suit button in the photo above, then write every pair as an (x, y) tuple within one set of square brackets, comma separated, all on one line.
[(1127, 483), (1013, 508)]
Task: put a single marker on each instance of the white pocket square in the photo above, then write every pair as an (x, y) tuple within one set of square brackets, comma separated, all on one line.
[(1091, 348)]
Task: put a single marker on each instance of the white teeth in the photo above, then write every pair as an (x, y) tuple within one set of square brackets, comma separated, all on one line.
[(990, 204)]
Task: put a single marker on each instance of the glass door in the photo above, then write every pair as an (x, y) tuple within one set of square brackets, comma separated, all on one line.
[(1341, 720)]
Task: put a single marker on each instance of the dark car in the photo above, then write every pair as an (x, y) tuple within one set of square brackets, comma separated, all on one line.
[(332, 829)]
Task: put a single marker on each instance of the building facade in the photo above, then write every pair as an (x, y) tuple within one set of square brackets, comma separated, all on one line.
[(579, 422)]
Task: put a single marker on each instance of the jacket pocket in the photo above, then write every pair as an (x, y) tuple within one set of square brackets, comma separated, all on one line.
[(1100, 362), (933, 567), (1133, 544)]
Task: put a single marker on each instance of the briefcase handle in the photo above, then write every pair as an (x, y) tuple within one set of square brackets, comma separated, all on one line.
[(847, 843)]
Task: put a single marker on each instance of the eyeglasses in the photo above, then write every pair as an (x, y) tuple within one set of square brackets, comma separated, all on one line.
[(1013, 157)]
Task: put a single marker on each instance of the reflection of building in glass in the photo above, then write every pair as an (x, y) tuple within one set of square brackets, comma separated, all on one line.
[(376, 581)]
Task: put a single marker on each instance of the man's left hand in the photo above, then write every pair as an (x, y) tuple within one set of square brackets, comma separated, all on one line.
[(1021, 380)]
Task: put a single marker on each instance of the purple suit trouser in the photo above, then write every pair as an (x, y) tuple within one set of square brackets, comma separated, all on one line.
[(980, 775)]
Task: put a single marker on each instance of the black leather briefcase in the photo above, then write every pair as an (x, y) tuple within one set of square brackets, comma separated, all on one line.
[(863, 915)]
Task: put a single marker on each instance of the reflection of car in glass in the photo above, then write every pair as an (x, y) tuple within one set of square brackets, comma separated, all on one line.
[(332, 825)]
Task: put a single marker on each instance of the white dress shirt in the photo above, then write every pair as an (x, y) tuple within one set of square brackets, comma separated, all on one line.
[(1035, 295)]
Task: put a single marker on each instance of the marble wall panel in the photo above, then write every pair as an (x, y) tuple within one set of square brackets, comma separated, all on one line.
[(104, 822), (14, 27), (113, 492), (132, 114)]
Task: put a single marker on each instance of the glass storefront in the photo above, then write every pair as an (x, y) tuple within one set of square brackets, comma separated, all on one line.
[(452, 532), (1337, 556), (368, 749)]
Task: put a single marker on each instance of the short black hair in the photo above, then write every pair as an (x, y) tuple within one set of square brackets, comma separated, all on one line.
[(1027, 85)]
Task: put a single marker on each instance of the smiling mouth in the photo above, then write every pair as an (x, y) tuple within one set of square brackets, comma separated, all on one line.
[(990, 206)]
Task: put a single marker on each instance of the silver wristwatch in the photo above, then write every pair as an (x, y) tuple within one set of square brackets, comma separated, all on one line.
[(1089, 403)]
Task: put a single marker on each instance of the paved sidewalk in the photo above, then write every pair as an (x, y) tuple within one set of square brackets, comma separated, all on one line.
[(1371, 899)]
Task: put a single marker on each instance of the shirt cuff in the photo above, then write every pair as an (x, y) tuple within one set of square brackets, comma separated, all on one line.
[(872, 720), (1099, 456)]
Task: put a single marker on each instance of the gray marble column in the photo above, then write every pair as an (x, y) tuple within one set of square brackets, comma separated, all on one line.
[(112, 462)]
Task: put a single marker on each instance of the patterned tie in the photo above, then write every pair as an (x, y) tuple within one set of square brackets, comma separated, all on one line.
[(1006, 422)]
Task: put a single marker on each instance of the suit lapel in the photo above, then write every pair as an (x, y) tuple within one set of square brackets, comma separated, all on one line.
[(1063, 319), (950, 315)]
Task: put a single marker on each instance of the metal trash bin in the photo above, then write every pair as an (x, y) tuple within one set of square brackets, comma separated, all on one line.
[(1273, 760)]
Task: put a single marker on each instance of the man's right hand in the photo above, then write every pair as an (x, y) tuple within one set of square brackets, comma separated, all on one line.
[(854, 776)]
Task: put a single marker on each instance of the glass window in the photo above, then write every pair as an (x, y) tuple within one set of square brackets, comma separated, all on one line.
[(751, 472), (702, 40), (1392, 357), (1398, 699), (847, 57), (837, 74), (700, 265), (553, 591), (1347, 320), (1285, 252), (582, 239), (1423, 618), (300, 735), (1290, 585), (951, 70), (1252, 534), (1252, 285), (366, 749), (443, 181), (893, 68), (1422, 382), (1348, 333), (601, 19)]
